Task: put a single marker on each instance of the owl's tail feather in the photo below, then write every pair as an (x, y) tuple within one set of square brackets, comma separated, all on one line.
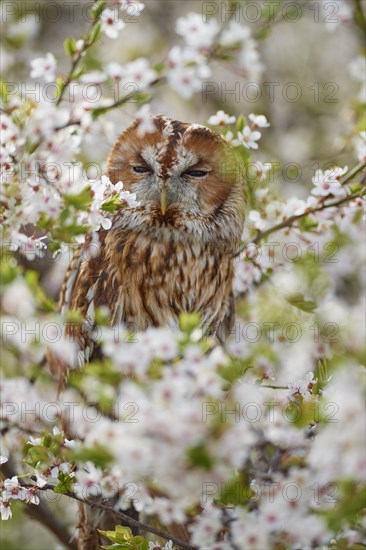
[(90, 520), (58, 368), (175, 529)]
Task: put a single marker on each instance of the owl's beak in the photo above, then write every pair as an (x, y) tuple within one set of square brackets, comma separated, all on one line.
[(163, 204)]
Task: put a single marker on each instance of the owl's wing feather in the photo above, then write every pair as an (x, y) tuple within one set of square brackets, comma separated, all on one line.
[(90, 281)]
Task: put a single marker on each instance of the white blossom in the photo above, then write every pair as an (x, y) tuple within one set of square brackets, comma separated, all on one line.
[(221, 119), (196, 32), (248, 138), (44, 67), (111, 23), (258, 121), (234, 33), (146, 124), (328, 182), (5, 510)]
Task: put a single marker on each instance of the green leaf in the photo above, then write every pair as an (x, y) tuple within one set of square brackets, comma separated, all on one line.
[(60, 83), (240, 123), (298, 300), (123, 539), (350, 500), (4, 92), (80, 201), (38, 454), (65, 484), (8, 272), (307, 224), (237, 491), (96, 10), (70, 46), (356, 187), (32, 279), (200, 457), (188, 322), (235, 370), (112, 204), (76, 74), (98, 455), (159, 67), (95, 33)]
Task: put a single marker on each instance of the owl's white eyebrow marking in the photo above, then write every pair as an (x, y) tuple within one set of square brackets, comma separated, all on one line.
[(185, 159), (151, 154), (168, 128), (196, 126)]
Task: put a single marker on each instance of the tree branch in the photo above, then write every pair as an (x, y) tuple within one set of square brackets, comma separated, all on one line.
[(76, 60), (43, 514), (120, 515), (323, 206)]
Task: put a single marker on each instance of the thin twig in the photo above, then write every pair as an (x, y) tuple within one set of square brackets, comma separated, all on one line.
[(323, 206), (77, 58), (120, 515), (43, 514), (272, 387)]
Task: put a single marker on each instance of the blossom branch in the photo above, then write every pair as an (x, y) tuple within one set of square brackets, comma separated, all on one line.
[(89, 41), (43, 514), (323, 206), (124, 517)]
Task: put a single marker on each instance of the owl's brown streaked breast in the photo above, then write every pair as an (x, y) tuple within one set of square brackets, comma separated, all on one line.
[(161, 279)]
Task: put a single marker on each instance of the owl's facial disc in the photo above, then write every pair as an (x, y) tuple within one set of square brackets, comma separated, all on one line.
[(179, 164)]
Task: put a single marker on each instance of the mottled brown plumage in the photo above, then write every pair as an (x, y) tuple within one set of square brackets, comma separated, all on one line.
[(169, 255)]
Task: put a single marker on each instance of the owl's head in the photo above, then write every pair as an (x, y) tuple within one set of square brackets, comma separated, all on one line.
[(177, 165)]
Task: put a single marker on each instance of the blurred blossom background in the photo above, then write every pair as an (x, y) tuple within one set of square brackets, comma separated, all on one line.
[(302, 66)]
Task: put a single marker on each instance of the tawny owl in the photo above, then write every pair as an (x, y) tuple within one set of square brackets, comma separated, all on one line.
[(173, 253)]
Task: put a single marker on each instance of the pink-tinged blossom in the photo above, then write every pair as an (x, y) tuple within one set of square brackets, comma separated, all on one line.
[(29, 247), (12, 490), (197, 33), (329, 182), (206, 525), (188, 80), (248, 138), (88, 481), (187, 68), (111, 23), (44, 67), (247, 531), (167, 511), (258, 121), (140, 73), (234, 34), (5, 509), (303, 387)]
